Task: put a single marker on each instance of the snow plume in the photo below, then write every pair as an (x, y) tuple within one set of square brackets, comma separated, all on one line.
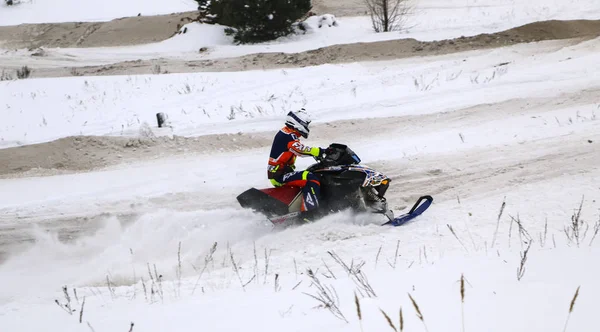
[(122, 251)]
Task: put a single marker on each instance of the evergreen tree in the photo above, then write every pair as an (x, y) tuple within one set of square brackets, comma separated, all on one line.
[(254, 20)]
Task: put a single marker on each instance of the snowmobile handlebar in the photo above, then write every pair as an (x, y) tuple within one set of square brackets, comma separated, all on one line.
[(338, 154)]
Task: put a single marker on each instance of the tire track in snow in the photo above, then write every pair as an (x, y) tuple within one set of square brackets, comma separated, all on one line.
[(464, 172)]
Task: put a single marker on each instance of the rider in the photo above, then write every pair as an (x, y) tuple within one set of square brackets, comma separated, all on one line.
[(286, 147)]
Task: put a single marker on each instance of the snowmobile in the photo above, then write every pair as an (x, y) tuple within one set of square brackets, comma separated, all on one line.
[(345, 184)]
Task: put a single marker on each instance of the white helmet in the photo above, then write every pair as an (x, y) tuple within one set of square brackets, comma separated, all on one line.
[(299, 120)]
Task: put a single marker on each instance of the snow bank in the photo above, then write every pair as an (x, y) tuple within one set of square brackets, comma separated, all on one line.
[(39, 110), (54, 11), (271, 289)]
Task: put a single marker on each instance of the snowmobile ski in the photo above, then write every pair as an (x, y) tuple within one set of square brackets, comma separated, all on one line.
[(420, 206)]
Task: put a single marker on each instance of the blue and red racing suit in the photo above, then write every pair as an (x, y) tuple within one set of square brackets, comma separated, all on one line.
[(281, 171)]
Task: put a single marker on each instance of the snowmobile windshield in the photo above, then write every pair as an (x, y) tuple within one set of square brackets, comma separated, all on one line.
[(341, 155)]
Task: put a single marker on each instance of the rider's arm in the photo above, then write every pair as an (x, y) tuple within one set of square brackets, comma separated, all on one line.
[(302, 150)]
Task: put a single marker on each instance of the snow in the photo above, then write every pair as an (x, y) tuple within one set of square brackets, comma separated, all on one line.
[(430, 21), (462, 127), (229, 102), (57, 11)]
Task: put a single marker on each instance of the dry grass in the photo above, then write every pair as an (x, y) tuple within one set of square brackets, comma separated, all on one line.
[(498, 221), (573, 231), (377, 256), (388, 319), (81, 310), (209, 258), (67, 305), (356, 274), (267, 258), (401, 319), (418, 310), (521, 268), (395, 255), (462, 300), (571, 307), (326, 296), (524, 237), (596, 230), (178, 270), (237, 271), (358, 311), (456, 236)]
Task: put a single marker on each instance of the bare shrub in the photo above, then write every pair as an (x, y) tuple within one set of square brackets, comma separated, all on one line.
[(388, 15), (4, 76), (23, 73)]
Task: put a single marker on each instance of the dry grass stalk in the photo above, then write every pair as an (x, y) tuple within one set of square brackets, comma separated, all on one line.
[(81, 310), (110, 289), (456, 236), (153, 283), (377, 256), (327, 296), (178, 271), (388, 319), (596, 230), (356, 274), (145, 290), (298, 284), (295, 268), (401, 320), (524, 236), (159, 278), (90, 326), (249, 281), (543, 239), (340, 262), (395, 255), (358, 312), (462, 288), (521, 269), (277, 282), (62, 307), (510, 232), (267, 256), (256, 272), (462, 300), (329, 270), (418, 310), (131, 327), (571, 307), (236, 270), (68, 299), (498, 221), (207, 259), (573, 232)]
